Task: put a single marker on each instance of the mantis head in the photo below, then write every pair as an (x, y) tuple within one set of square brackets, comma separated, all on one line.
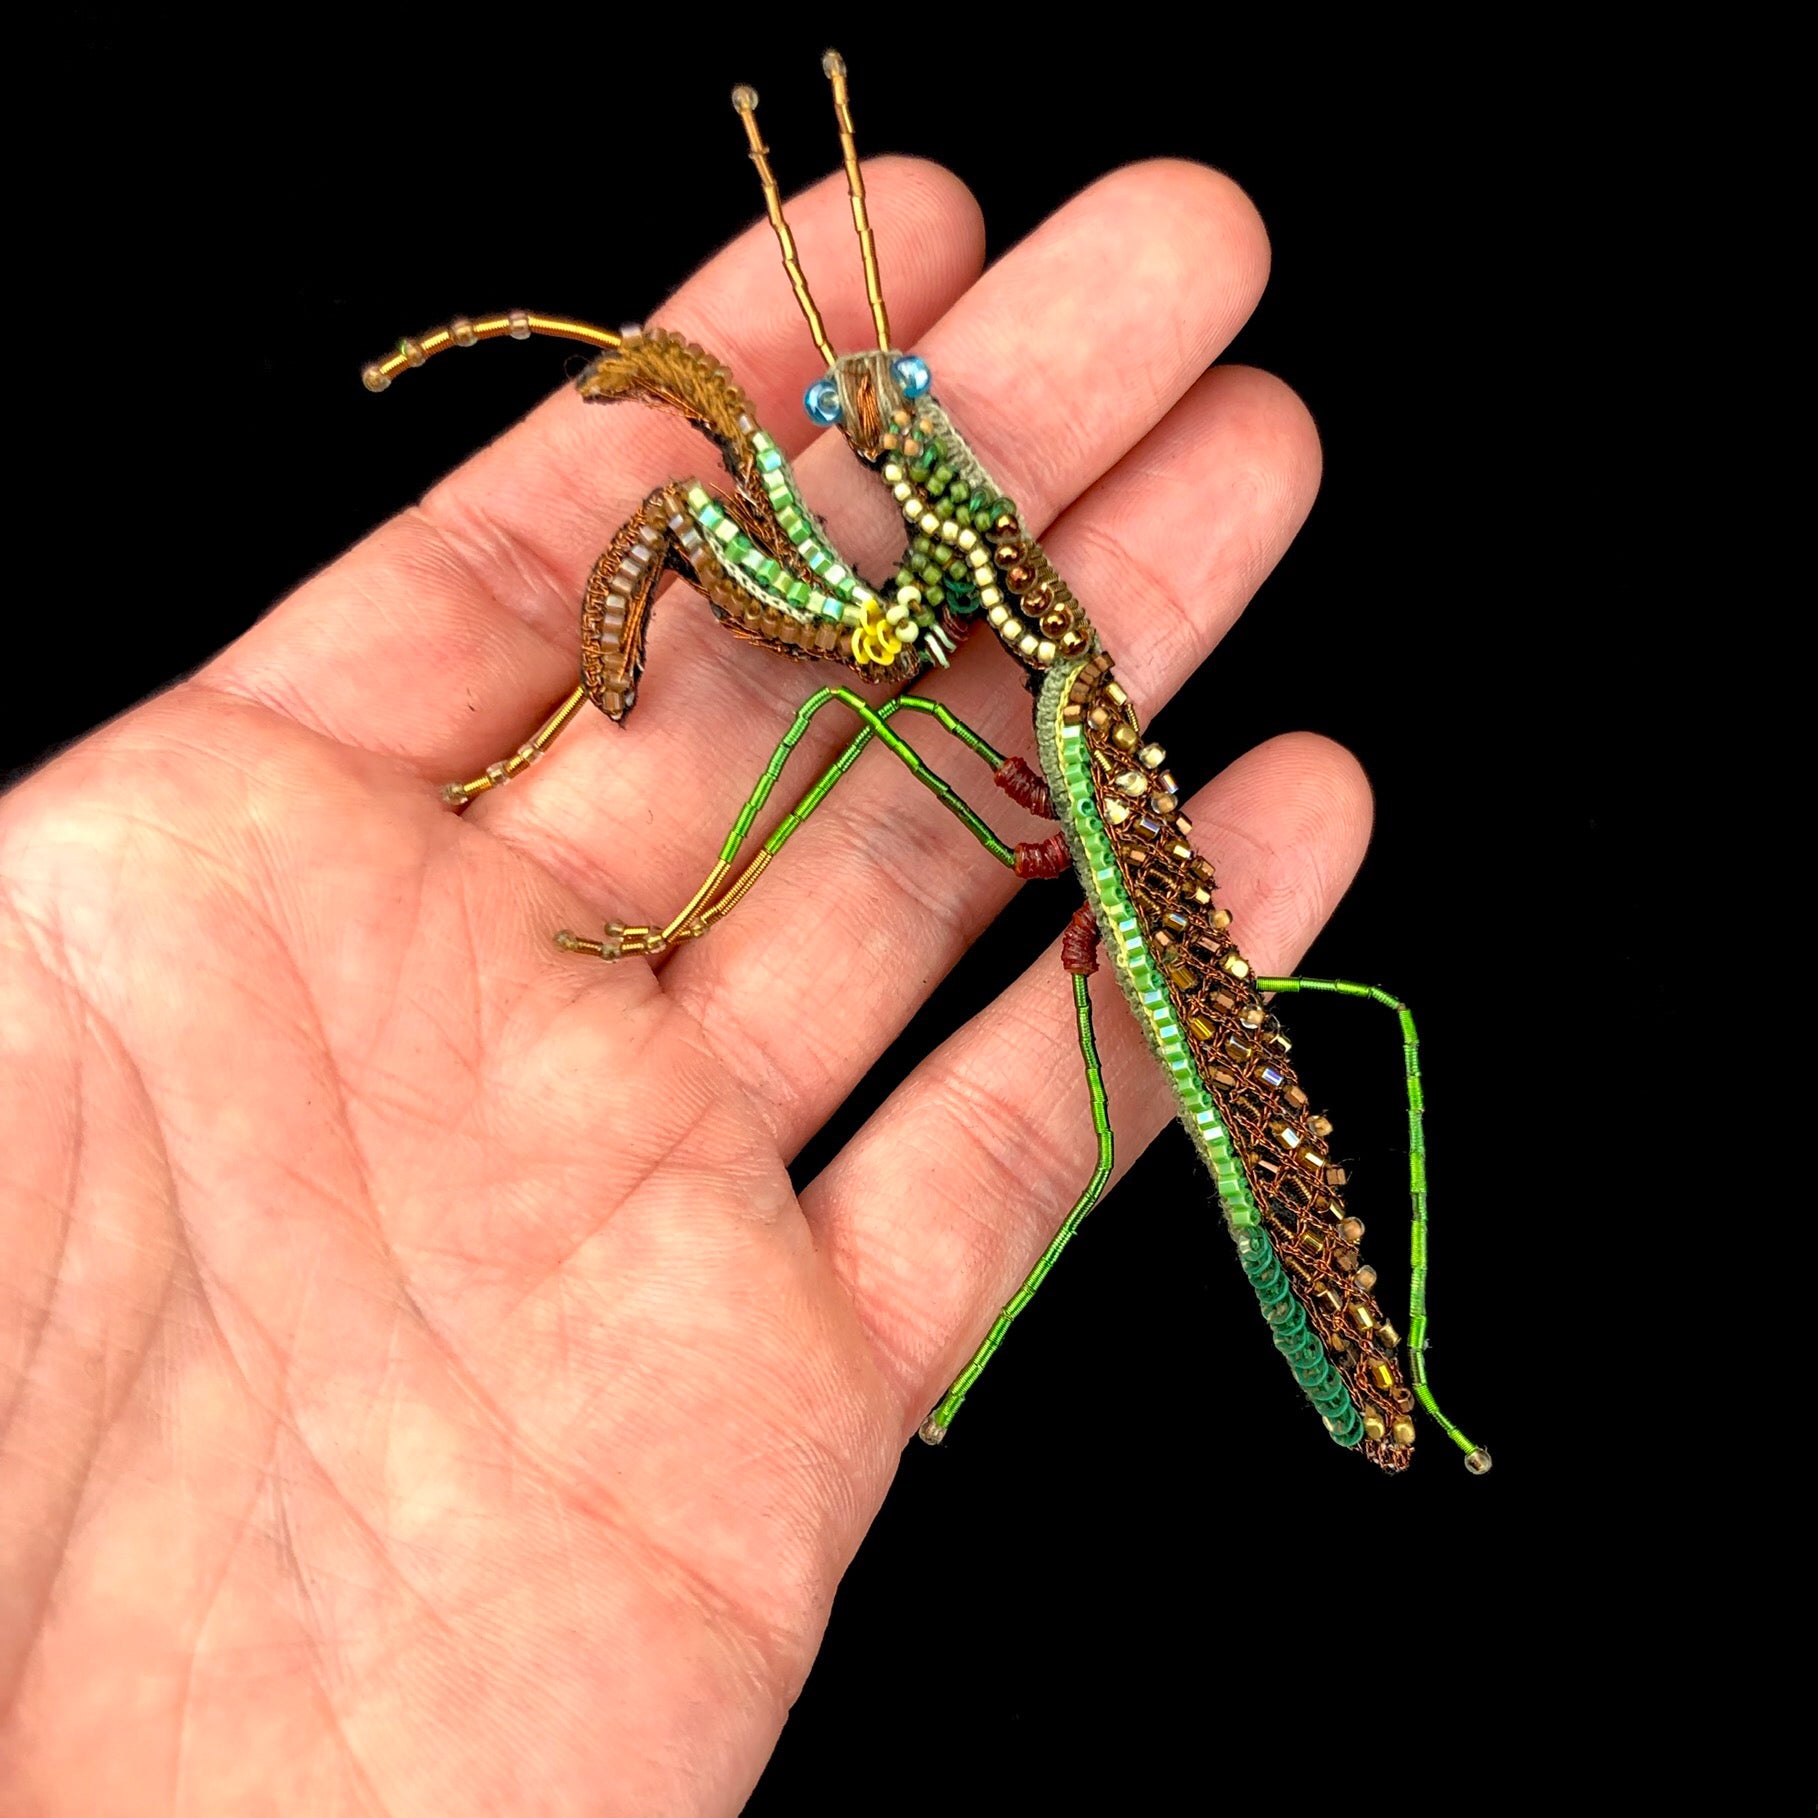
[(967, 540)]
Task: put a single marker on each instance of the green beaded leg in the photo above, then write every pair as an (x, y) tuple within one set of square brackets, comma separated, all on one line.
[(1475, 1456), (721, 892), (875, 725), (934, 1428)]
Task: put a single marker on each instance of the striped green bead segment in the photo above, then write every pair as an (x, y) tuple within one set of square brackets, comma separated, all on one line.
[(754, 570), (1130, 954), (841, 588)]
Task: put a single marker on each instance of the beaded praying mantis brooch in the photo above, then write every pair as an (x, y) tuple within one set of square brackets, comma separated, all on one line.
[(772, 577)]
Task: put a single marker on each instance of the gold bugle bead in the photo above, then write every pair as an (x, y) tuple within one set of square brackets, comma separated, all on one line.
[(1360, 1316), (1382, 1375), (1387, 1335)]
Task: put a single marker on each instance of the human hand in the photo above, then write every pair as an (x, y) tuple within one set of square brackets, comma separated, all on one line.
[(423, 1384)]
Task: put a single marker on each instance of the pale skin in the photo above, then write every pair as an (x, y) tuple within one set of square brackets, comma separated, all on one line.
[(420, 1388)]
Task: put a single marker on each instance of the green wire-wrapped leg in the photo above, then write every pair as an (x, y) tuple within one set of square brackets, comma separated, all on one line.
[(934, 1428), (720, 891), (1476, 1458), (875, 724)]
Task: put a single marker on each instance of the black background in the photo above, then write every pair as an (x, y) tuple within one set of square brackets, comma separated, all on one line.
[(1137, 1560)]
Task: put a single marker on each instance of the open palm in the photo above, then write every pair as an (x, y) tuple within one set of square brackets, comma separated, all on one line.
[(421, 1389)]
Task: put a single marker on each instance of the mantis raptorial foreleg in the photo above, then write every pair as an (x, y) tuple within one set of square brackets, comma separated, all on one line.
[(722, 890), (663, 535)]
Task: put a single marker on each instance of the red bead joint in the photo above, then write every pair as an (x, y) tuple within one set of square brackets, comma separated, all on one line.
[(1042, 858), (1079, 945), (1026, 788)]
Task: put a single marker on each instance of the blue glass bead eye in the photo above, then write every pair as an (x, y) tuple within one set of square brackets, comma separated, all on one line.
[(822, 401), (911, 374)]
